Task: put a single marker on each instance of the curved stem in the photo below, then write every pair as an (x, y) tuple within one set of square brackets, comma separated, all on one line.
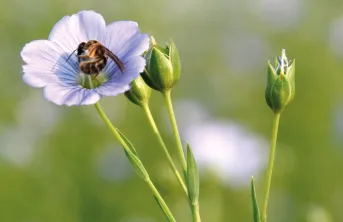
[(171, 114), (151, 120), (125, 146), (271, 163)]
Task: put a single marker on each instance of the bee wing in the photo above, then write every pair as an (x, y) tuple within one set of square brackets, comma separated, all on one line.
[(115, 59)]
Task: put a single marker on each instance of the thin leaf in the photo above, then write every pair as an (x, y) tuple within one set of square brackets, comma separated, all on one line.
[(192, 177), (131, 154), (127, 141), (256, 210), (137, 164)]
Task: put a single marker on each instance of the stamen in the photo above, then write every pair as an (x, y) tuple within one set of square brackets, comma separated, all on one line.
[(83, 79), (90, 81)]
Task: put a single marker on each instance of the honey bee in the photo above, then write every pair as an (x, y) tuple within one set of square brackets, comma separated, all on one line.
[(92, 57)]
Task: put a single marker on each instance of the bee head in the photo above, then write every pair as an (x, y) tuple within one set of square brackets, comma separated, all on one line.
[(80, 48)]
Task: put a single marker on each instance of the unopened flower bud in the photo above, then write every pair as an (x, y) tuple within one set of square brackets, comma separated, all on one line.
[(139, 93), (163, 66), (280, 89)]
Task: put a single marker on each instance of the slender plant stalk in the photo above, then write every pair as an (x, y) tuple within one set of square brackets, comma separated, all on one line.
[(196, 212), (271, 163), (167, 97), (125, 146), (160, 140)]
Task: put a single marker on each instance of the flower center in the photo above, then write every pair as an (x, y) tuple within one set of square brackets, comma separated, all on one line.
[(91, 81)]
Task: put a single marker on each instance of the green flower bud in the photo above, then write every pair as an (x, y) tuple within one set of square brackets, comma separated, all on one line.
[(163, 67), (280, 90), (139, 93)]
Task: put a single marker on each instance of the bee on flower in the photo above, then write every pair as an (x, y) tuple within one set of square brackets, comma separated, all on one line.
[(108, 58)]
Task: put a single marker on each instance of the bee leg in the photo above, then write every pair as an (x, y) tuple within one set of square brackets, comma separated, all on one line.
[(95, 75), (99, 64), (83, 56)]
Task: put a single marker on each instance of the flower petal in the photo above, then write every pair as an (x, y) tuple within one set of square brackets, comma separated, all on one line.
[(61, 94), (120, 82), (45, 64), (124, 39), (70, 31)]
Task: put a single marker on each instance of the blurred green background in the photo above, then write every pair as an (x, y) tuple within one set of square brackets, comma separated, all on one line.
[(62, 164)]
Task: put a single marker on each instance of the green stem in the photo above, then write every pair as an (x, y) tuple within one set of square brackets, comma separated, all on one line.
[(196, 212), (271, 163), (151, 120), (171, 114), (125, 146)]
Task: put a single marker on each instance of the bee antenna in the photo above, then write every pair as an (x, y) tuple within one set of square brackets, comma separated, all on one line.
[(70, 55)]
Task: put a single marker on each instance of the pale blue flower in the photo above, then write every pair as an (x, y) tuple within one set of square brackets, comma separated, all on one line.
[(47, 66)]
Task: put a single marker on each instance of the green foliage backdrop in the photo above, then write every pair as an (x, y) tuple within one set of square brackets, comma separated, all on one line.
[(62, 164)]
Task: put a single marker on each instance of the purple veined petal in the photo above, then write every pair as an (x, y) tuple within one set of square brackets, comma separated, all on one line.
[(120, 82), (124, 39), (70, 31), (46, 63), (62, 94)]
